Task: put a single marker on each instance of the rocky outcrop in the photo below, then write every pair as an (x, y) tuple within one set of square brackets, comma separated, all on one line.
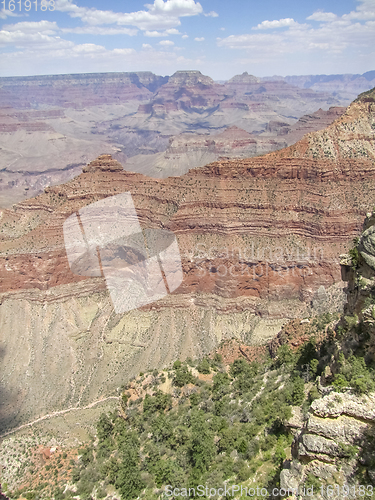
[(290, 192), (245, 78), (295, 333), (187, 91), (104, 163), (318, 120), (349, 137), (186, 151), (242, 101), (333, 442), (330, 444)]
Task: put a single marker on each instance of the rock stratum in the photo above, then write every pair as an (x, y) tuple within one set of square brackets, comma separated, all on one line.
[(259, 240), (53, 125), (186, 151), (344, 86)]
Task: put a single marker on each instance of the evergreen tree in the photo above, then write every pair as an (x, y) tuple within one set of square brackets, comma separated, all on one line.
[(202, 448)]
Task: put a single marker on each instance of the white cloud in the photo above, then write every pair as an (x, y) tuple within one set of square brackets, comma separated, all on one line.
[(51, 28), (364, 12), (172, 31), (212, 14), (168, 32), (47, 27), (99, 30), (166, 43), (154, 33), (334, 36), (146, 46), (122, 52), (178, 8), (89, 58), (322, 16), (90, 48), (26, 40), (185, 36), (199, 39), (4, 13), (281, 23), (161, 15)]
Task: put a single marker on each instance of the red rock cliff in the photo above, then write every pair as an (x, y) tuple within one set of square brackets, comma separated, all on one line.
[(270, 227)]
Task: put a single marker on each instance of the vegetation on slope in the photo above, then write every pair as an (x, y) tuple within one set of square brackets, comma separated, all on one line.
[(211, 424)]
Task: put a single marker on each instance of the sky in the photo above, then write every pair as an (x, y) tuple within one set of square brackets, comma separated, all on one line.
[(221, 38)]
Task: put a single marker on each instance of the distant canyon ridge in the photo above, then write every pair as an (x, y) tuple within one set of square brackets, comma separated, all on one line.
[(53, 125)]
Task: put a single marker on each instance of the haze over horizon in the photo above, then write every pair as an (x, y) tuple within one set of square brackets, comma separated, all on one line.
[(218, 38)]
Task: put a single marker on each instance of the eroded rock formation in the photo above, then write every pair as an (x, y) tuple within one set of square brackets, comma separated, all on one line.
[(258, 239)]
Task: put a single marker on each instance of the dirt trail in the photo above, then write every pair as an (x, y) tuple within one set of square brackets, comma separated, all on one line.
[(57, 413)]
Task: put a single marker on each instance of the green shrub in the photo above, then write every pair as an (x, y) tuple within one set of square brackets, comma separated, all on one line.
[(124, 399), (314, 363), (354, 373), (355, 257), (298, 394), (87, 455), (190, 362), (279, 456), (204, 367), (351, 321), (313, 394), (347, 450), (156, 403), (104, 428), (217, 360), (202, 448), (194, 399), (183, 376), (313, 481), (284, 356), (244, 473), (220, 385)]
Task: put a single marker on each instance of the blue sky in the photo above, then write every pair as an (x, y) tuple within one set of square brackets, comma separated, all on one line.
[(220, 38)]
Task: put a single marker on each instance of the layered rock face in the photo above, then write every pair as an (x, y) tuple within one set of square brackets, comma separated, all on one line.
[(81, 90), (318, 120), (243, 101), (344, 86), (258, 239), (51, 126), (187, 151), (335, 426)]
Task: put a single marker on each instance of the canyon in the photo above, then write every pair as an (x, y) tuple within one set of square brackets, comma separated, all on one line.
[(259, 238), (53, 125)]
